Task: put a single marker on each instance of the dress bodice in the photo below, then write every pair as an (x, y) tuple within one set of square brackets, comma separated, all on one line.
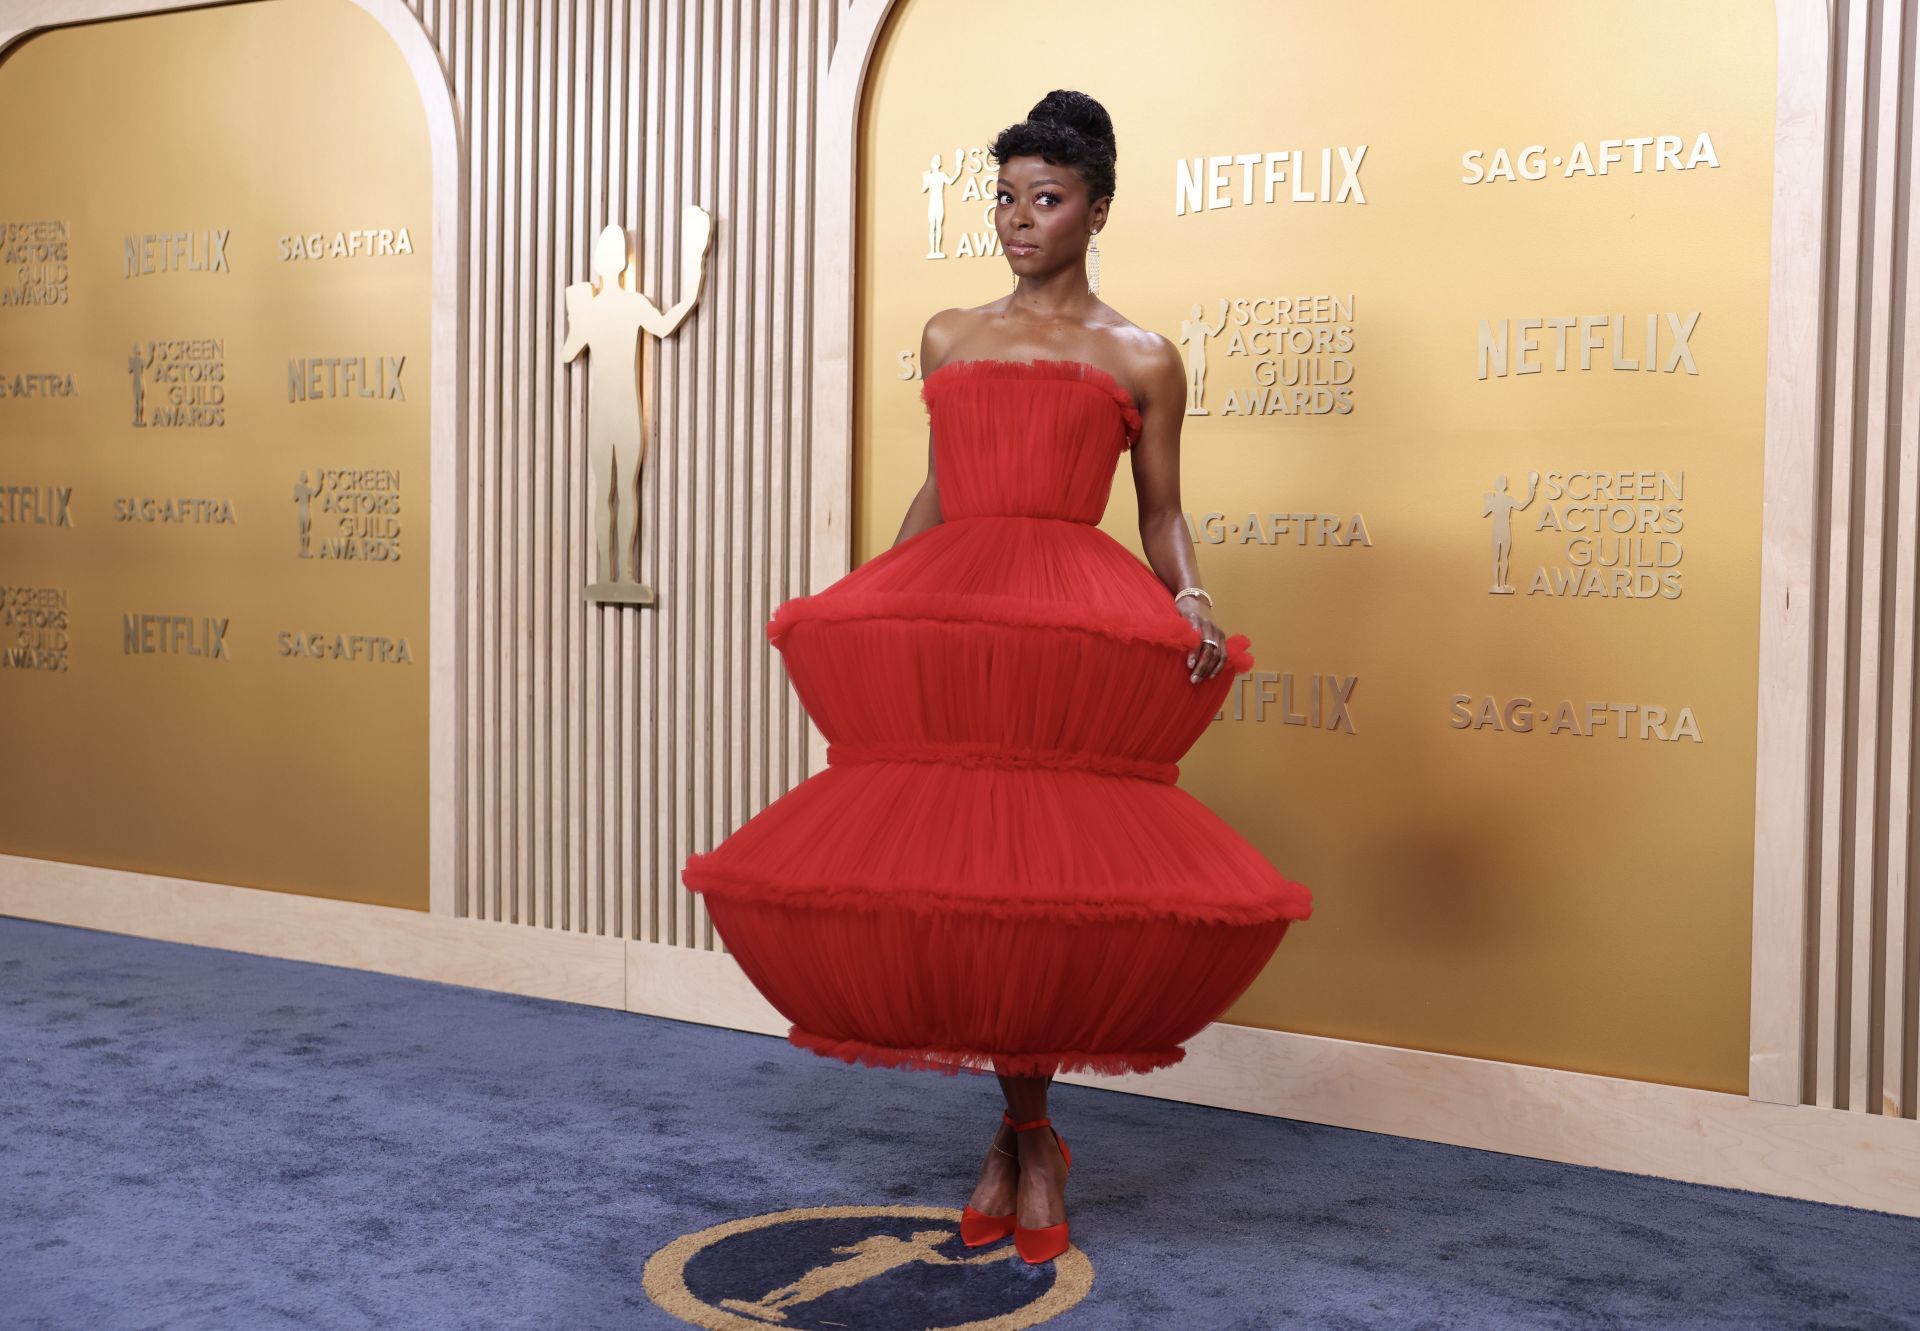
[(1027, 438)]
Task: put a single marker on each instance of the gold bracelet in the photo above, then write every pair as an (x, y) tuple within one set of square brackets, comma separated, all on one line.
[(1196, 591)]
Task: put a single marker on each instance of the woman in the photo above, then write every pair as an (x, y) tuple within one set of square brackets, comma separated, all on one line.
[(997, 868)]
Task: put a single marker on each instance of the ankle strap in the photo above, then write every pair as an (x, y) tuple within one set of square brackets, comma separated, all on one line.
[(1024, 1127)]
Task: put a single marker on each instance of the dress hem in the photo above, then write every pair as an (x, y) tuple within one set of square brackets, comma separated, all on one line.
[(951, 1062)]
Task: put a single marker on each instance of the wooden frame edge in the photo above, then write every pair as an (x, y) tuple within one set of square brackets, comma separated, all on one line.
[(1783, 740)]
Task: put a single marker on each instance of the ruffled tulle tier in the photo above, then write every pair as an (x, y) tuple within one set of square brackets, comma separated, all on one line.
[(1017, 842), (1046, 696), (896, 987), (1016, 571), (1039, 632)]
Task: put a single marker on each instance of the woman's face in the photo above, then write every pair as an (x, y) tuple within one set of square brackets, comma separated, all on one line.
[(1042, 216)]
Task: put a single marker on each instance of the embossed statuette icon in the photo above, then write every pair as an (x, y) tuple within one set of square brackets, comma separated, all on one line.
[(607, 316), (303, 497), (137, 363), (1501, 506), (1194, 332)]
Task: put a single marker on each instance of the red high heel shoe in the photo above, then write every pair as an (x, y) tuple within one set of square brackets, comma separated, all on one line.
[(1044, 1242), (977, 1228)]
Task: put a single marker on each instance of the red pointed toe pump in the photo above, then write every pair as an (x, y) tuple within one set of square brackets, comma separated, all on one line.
[(977, 1228), (1045, 1242)]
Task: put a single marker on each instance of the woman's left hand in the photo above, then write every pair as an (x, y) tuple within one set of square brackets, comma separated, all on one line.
[(1206, 659)]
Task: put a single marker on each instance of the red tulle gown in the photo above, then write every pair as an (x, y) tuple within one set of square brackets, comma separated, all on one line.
[(996, 869)]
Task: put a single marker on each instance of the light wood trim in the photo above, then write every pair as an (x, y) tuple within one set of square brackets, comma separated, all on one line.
[(542, 963), (1675, 1132), (1871, 820), (1900, 1046), (1866, 260), (1864, 1160), (1831, 884), (694, 984), (1783, 742)]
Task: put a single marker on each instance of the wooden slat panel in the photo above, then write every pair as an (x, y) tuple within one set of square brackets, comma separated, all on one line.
[(1837, 644), (1869, 1071), (603, 745), (1860, 949), (1873, 300), (1900, 1046)]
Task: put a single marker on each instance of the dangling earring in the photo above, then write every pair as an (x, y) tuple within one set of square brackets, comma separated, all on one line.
[(1093, 264)]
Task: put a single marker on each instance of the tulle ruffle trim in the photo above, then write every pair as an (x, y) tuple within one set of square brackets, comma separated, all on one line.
[(1111, 901), (1066, 371), (1012, 611), (953, 1061), (977, 753)]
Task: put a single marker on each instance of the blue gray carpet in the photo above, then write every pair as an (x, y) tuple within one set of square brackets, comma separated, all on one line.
[(193, 1138)]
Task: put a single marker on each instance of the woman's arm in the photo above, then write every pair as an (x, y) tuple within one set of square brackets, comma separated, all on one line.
[(935, 343), (924, 511), (1163, 524)]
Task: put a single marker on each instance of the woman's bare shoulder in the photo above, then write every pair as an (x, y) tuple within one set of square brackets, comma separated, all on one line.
[(1148, 361), (947, 330)]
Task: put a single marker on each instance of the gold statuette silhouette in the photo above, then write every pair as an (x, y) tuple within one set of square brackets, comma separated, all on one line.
[(867, 1259), (1501, 506), (606, 316)]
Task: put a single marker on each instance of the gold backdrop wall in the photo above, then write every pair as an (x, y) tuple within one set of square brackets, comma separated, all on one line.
[(214, 320), (1427, 244)]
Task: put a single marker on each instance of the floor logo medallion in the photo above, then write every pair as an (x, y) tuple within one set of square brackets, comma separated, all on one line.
[(858, 1268)]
